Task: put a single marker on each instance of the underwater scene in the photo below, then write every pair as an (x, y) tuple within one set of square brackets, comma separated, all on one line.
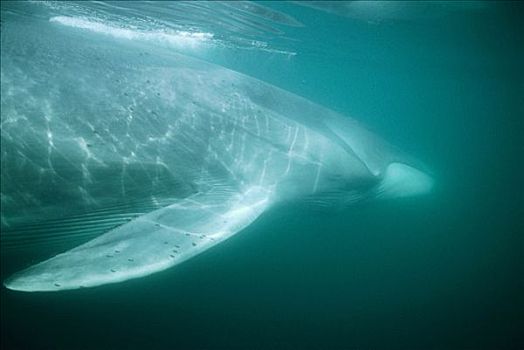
[(262, 175)]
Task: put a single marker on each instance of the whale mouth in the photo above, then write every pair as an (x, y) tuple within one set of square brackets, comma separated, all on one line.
[(401, 180)]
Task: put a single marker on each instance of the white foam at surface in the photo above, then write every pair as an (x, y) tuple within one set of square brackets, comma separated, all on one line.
[(183, 39)]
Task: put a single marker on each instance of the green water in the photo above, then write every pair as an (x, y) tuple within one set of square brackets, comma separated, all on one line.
[(444, 271)]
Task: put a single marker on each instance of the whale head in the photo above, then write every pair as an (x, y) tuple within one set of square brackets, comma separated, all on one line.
[(395, 173), (401, 180)]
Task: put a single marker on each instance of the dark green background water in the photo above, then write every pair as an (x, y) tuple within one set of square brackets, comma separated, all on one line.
[(441, 272)]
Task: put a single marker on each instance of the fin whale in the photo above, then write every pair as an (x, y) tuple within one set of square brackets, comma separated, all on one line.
[(162, 154)]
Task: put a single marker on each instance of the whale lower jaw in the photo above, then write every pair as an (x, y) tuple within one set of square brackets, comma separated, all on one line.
[(401, 180)]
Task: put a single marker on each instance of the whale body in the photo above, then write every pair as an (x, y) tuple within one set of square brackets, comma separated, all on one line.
[(166, 154)]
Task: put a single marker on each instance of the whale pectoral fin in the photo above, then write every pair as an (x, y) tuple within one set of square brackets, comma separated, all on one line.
[(150, 243)]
